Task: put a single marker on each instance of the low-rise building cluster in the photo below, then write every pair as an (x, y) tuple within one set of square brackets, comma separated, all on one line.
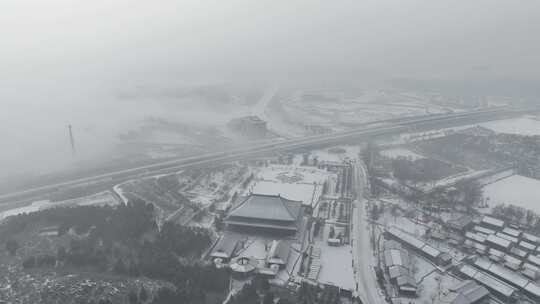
[(431, 253), (467, 292), (396, 262), (507, 259)]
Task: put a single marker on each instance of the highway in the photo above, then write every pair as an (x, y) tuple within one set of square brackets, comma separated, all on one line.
[(384, 128)]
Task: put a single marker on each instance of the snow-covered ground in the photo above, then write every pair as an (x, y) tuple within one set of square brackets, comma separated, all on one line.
[(337, 110), (523, 126), (35, 206), (324, 155), (260, 108), (205, 222), (495, 177), (292, 182), (451, 180), (255, 248), (281, 173), (406, 138), (100, 199), (336, 266), (420, 267), (307, 193), (351, 152), (292, 267), (516, 190), (401, 152), (159, 154), (407, 225), (394, 200), (430, 287)]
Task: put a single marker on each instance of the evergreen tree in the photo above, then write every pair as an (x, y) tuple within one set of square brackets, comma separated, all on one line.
[(61, 253), (143, 294), (120, 267), (12, 246), (268, 298), (132, 297)]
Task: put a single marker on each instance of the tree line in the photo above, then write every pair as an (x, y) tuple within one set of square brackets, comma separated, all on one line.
[(518, 215), (125, 240), (259, 291)]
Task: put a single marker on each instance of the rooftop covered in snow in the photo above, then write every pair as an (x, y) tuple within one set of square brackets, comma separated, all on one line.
[(266, 211)]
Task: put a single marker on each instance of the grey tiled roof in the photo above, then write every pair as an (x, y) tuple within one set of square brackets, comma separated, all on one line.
[(267, 207)]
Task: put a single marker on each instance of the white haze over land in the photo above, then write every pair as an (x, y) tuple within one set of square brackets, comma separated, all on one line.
[(70, 61)]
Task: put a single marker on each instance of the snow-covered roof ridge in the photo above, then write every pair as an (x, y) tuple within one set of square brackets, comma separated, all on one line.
[(269, 207)]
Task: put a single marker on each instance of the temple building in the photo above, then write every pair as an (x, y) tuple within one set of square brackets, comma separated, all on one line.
[(265, 213), (251, 126)]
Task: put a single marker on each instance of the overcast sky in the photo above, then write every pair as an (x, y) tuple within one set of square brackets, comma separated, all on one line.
[(122, 37), (60, 58)]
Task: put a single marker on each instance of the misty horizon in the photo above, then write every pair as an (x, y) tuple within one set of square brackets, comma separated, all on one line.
[(269, 152), (80, 64)]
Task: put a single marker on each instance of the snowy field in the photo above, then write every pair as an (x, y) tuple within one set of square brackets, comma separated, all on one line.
[(100, 199), (495, 177), (336, 266), (406, 138), (516, 190), (523, 126), (159, 154), (401, 152), (430, 286), (35, 206), (336, 110), (451, 180)]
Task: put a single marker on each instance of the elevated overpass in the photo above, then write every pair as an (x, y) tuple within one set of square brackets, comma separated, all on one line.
[(381, 128)]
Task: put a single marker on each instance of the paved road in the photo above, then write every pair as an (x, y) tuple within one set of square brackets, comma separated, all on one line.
[(393, 127), (368, 288), (260, 107)]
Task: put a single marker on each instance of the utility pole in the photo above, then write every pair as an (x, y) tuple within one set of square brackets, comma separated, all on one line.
[(71, 140)]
